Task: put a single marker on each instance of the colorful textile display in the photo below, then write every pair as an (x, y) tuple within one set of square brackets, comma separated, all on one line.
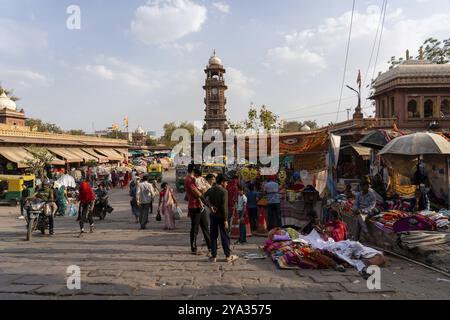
[(313, 252)]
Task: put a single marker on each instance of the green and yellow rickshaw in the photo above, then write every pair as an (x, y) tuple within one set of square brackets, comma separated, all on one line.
[(155, 171), (11, 187), (180, 174)]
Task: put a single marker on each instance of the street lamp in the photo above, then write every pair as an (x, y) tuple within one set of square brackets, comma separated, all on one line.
[(358, 108)]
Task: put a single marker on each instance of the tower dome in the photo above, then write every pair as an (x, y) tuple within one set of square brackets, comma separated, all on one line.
[(7, 103), (215, 60), (139, 130), (305, 128)]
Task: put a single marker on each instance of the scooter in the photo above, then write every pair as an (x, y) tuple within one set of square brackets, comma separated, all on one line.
[(101, 206)]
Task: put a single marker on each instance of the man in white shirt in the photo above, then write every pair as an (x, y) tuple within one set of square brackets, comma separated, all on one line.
[(272, 190), (144, 196), (242, 211)]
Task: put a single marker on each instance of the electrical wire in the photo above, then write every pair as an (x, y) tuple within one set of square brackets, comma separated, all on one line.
[(314, 105), (346, 60)]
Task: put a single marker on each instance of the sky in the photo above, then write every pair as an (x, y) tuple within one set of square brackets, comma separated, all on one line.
[(146, 59)]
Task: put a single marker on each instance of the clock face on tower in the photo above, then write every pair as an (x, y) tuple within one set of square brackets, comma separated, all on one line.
[(215, 91)]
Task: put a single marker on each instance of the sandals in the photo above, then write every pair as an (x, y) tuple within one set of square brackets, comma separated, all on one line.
[(232, 259)]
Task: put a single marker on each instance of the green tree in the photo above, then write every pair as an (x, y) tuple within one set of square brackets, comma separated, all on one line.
[(76, 132), (436, 51), (117, 135), (41, 158), (252, 119), (41, 126), (267, 118), (9, 93), (432, 50), (151, 142), (291, 126), (170, 127)]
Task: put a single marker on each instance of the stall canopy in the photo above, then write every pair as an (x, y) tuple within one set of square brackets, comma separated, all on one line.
[(17, 155), (378, 139), (86, 156), (66, 154), (363, 152), (100, 158), (122, 151), (110, 153)]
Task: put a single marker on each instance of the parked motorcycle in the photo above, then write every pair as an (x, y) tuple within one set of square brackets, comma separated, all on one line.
[(38, 212)]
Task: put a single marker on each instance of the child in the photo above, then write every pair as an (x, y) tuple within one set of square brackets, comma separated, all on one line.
[(242, 211)]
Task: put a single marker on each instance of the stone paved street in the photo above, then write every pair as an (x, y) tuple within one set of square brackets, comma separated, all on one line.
[(121, 262)]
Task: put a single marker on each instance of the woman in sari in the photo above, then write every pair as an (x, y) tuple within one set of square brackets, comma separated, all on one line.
[(61, 200), (167, 204)]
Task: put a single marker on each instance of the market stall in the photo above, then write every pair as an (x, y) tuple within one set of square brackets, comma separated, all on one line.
[(402, 226)]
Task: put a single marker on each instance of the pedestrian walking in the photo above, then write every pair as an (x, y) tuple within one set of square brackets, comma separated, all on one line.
[(217, 197), (62, 200), (145, 194), (199, 218), (133, 202), (166, 206), (233, 192), (87, 198)]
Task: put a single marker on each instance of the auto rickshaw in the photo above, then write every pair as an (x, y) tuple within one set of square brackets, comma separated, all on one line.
[(11, 187), (213, 168), (155, 171), (180, 174)]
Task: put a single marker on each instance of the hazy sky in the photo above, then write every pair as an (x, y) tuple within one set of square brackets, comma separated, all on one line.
[(145, 59)]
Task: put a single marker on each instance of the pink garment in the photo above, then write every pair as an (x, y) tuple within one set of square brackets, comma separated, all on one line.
[(167, 208)]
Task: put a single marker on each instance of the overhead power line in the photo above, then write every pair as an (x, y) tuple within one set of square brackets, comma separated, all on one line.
[(346, 60)]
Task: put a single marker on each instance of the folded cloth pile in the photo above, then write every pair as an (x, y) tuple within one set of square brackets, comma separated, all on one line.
[(441, 220), (297, 254), (416, 239), (386, 220)]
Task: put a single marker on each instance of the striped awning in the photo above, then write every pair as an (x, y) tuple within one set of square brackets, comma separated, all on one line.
[(67, 155), (100, 158), (110, 153), (17, 155), (86, 156)]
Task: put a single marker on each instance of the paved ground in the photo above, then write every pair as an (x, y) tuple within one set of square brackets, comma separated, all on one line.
[(121, 262)]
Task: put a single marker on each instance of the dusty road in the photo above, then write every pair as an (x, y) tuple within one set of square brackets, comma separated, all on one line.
[(121, 262)]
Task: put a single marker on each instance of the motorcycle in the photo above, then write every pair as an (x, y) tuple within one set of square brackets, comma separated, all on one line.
[(101, 206), (38, 212)]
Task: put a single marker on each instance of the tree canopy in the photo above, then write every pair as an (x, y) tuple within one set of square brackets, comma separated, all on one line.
[(432, 50)]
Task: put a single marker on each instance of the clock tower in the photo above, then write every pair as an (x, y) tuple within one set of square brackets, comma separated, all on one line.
[(215, 100)]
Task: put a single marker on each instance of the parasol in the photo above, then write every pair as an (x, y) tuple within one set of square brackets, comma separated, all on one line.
[(140, 169), (123, 169), (422, 143), (67, 180)]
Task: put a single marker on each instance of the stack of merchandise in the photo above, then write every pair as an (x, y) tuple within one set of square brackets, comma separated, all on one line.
[(289, 250), (289, 253), (386, 220), (441, 218)]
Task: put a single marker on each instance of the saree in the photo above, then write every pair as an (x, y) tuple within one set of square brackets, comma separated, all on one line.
[(167, 208)]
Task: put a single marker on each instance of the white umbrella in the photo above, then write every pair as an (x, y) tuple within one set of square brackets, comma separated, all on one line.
[(140, 169), (67, 181), (422, 143), (123, 169)]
